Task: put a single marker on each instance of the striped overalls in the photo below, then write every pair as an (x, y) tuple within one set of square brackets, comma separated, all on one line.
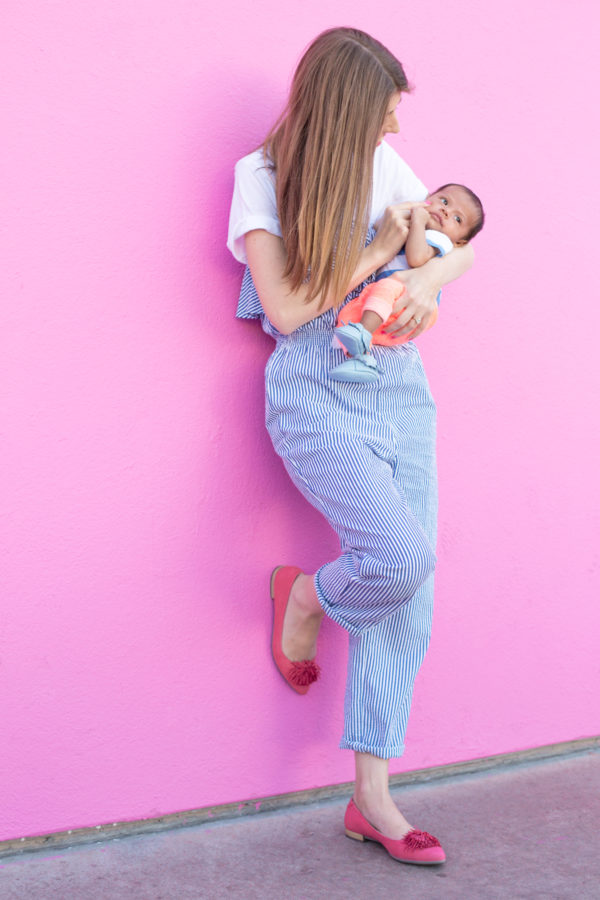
[(364, 456)]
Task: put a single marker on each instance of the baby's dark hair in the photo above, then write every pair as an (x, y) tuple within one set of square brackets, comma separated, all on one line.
[(476, 202)]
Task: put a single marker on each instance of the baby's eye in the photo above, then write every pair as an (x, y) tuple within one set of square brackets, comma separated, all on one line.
[(458, 219), (444, 201)]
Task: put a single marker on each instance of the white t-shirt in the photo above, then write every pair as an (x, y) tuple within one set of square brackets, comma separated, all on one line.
[(254, 203)]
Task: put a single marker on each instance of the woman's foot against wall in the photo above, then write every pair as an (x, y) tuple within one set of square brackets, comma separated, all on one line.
[(303, 617)]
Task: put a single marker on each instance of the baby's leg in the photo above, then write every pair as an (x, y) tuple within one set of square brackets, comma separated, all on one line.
[(356, 325), (371, 320), (378, 305), (355, 332)]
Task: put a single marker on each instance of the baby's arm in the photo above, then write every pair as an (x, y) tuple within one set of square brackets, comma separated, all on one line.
[(417, 250)]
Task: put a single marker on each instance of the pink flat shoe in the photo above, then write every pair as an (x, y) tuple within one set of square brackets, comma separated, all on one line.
[(299, 675), (416, 847)]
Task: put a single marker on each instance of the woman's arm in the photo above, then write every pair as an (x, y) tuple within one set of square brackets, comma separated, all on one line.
[(287, 309), (422, 287)]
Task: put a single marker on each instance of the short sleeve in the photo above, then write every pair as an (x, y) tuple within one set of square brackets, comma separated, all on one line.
[(254, 204), (440, 242)]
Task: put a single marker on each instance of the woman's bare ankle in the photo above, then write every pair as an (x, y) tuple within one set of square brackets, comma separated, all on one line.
[(372, 796), (302, 620), (382, 813), (304, 597)]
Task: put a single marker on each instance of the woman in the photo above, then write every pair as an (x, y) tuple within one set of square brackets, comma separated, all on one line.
[(303, 211)]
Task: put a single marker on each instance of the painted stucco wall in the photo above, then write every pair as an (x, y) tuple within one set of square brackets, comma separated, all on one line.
[(143, 504)]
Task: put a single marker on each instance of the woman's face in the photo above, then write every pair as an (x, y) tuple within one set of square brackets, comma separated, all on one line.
[(390, 123)]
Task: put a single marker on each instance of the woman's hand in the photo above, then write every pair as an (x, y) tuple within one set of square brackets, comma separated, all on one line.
[(418, 304), (392, 229)]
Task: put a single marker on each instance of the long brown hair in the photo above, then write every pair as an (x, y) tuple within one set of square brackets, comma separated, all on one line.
[(322, 151)]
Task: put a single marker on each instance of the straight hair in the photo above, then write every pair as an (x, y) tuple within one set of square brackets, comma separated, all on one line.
[(322, 149)]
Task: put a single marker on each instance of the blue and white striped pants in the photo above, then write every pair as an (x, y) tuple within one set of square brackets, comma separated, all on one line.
[(364, 456)]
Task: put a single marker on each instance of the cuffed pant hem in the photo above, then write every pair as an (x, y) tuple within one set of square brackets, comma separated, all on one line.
[(383, 752), (331, 613)]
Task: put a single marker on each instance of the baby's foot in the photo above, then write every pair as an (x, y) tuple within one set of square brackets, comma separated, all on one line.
[(354, 337), (361, 369)]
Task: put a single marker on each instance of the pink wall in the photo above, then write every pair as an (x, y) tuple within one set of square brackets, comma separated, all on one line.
[(144, 504)]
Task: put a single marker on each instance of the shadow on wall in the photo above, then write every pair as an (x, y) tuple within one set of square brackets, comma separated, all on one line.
[(245, 484)]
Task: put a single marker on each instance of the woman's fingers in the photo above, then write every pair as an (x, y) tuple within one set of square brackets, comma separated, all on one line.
[(398, 213), (392, 228), (408, 205), (416, 306), (409, 323)]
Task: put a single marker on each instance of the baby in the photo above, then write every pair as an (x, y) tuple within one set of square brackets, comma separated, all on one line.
[(453, 216)]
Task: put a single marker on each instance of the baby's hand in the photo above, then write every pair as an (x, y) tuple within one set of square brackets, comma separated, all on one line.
[(392, 228), (420, 216)]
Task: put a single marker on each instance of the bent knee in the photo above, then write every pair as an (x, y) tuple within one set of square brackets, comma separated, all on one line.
[(406, 567)]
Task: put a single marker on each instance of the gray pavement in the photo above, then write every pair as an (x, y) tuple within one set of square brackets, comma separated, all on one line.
[(523, 831)]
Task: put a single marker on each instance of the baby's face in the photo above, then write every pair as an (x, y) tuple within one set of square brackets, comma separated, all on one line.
[(452, 212)]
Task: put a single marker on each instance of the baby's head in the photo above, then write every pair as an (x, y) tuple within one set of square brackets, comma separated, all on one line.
[(455, 211)]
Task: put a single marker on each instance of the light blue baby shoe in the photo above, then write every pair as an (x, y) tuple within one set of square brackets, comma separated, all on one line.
[(361, 369), (354, 337)]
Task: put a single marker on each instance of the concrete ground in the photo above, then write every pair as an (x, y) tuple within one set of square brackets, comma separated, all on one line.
[(524, 831)]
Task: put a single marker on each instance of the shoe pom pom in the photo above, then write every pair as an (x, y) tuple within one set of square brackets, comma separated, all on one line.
[(304, 673), (420, 840)]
